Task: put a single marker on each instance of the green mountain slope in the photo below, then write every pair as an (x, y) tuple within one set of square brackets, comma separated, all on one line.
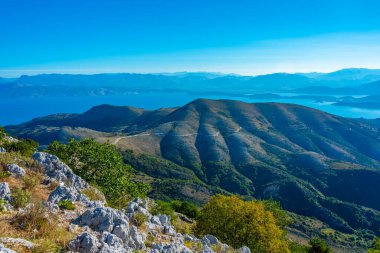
[(314, 163)]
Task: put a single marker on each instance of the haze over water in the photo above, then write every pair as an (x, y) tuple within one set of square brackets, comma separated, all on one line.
[(20, 110)]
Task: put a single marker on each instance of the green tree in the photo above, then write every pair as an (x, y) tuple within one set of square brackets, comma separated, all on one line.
[(25, 147), (102, 166), (376, 247), (318, 246), (238, 222)]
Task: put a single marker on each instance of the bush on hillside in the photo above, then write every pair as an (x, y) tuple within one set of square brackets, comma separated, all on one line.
[(282, 219), (20, 198), (2, 205), (162, 207), (31, 181), (25, 147), (238, 222), (298, 248), (318, 246), (139, 219), (102, 166), (168, 208), (66, 205), (2, 133), (376, 247), (186, 208)]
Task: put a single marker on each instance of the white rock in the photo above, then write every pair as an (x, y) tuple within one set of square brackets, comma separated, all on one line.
[(57, 170), (85, 243), (5, 192), (101, 219), (244, 249), (136, 239), (16, 170), (210, 240), (17, 241), (3, 249)]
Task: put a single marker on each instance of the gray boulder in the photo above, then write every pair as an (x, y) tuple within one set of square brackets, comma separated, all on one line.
[(163, 222), (190, 238), (5, 192), (85, 243), (136, 239), (16, 170), (244, 249), (176, 248), (3, 249), (111, 244), (138, 205), (2, 150), (17, 241), (101, 219), (57, 170), (64, 193), (210, 240), (207, 249), (121, 231)]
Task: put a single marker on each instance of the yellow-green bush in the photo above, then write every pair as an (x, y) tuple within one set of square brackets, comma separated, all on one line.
[(20, 198), (238, 222)]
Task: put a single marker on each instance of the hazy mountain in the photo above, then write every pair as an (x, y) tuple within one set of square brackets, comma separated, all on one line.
[(314, 163), (6, 80), (355, 75), (339, 82)]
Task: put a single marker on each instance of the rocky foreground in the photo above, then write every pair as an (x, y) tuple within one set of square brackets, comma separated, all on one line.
[(99, 228)]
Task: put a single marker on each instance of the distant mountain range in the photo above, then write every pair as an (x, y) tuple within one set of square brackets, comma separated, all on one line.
[(314, 163), (343, 82)]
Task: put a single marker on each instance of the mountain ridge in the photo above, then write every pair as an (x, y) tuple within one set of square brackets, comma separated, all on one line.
[(314, 163)]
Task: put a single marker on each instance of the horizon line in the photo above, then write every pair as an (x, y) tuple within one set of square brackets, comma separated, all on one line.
[(72, 72)]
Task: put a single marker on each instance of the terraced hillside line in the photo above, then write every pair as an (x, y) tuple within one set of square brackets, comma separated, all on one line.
[(116, 141)]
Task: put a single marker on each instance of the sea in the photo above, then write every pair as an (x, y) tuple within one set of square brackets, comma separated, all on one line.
[(19, 110)]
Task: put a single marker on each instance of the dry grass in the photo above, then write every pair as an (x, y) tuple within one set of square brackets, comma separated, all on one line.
[(93, 194), (49, 232), (40, 226)]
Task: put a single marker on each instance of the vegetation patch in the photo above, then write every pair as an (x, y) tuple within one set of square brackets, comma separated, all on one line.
[(66, 205), (139, 219), (25, 147), (238, 223), (20, 198), (101, 165)]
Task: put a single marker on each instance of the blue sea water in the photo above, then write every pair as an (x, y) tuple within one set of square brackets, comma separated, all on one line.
[(18, 110)]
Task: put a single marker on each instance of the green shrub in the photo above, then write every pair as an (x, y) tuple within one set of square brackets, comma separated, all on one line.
[(2, 133), (66, 205), (20, 198), (2, 204), (34, 218), (93, 194), (186, 208), (30, 182), (139, 219), (168, 208), (297, 248), (238, 222), (100, 165), (162, 207), (4, 174), (281, 216), (318, 246), (47, 246), (376, 247), (25, 147)]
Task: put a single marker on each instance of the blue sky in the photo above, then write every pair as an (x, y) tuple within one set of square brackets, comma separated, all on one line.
[(236, 36)]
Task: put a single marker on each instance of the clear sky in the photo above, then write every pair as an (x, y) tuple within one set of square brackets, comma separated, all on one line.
[(235, 36)]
